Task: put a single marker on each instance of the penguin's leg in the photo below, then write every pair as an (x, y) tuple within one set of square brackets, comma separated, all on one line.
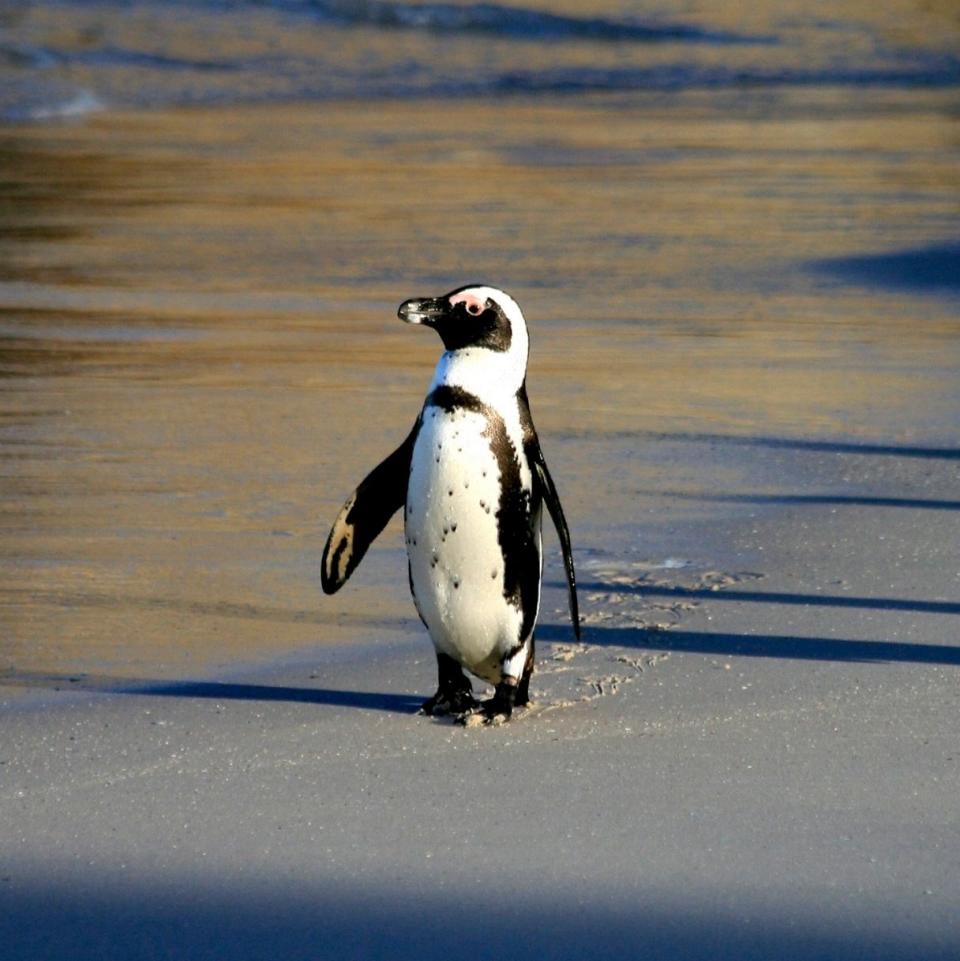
[(454, 690), (523, 688), (515, 671)]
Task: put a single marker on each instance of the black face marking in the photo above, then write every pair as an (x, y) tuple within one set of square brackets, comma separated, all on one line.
[(488, 328), (465, 323), (515, 527)]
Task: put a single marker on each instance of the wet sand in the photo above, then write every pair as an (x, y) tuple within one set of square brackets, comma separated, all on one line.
[(201, 355), (744, 374)]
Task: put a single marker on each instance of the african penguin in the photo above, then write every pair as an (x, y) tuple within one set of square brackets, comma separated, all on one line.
[(472, 480)]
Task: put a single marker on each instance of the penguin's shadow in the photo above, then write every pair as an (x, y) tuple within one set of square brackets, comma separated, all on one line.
[(674, 640), (216, 691), (769, 645)]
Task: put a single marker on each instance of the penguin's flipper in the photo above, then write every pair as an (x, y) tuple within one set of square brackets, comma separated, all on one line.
[(365, 514), (552, 500)]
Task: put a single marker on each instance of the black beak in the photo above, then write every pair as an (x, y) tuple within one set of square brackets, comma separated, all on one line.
[(428, 311)]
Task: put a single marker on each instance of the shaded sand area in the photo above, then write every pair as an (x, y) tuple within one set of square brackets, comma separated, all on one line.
[(744, 315)]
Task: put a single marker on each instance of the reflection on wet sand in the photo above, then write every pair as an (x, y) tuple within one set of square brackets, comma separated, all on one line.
[(198, 341)]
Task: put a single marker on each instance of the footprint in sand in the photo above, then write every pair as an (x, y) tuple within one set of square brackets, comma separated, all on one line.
[(641, 595)]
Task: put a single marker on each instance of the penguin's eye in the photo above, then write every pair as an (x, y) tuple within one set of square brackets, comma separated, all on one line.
[(473, 309)]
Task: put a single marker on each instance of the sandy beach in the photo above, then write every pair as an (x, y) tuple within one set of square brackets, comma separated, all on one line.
[(744, 309), (773, 776)]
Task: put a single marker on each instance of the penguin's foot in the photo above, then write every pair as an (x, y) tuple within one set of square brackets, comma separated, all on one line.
[(454, 691), (455, 701), (496, 710)]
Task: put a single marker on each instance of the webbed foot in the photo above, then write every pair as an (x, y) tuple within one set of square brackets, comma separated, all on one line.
[(456, 702), (497, 710), (454, 691)]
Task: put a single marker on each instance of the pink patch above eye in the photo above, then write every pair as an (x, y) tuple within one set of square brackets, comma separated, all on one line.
[(473, 303)]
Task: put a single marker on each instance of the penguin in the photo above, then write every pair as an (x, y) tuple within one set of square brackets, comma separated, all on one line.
[(472, 480)]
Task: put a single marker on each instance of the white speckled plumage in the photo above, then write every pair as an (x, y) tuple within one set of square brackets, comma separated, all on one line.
[(456, 561)]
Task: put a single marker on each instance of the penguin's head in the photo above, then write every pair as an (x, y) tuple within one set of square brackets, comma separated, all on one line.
[(470, 317)]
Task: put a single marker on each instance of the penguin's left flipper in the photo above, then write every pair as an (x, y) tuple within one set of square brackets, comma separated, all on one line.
[(552, 500), (365, 514)]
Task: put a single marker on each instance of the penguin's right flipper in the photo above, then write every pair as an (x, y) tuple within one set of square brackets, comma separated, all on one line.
[(365, 514), (548, 491), (552, 500)]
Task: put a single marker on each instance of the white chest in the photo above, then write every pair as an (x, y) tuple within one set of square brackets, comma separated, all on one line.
[(453, 540)]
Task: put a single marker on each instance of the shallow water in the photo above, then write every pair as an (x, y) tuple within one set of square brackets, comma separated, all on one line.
[(71, 57), (199, 349)]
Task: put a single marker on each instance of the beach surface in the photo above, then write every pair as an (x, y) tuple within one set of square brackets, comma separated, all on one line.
[(743, 297), (756, 760)]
